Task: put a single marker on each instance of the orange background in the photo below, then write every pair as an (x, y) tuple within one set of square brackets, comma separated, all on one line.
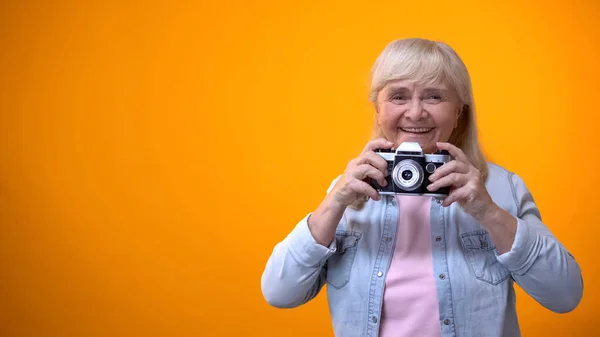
[(152, 154)]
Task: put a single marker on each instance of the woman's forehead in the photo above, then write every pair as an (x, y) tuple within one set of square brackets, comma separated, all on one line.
[(415, 85)]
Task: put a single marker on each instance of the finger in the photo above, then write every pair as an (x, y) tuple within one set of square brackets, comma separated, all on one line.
[(454, 151), (453, 179), (449, 167), (362, 188), (367, 171), (375, 160), (379, 143), (454, 196)]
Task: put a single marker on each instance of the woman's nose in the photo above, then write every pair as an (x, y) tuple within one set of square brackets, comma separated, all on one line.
[(415, 111)]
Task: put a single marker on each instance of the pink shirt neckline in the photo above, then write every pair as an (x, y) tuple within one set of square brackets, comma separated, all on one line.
[(410, 303)]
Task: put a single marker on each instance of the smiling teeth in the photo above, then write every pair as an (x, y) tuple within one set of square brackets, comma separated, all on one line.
[(416, 129)]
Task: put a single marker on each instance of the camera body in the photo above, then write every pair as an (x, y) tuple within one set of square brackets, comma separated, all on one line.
[(409, 170)]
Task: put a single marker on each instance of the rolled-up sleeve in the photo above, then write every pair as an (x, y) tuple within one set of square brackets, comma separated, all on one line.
[(295, 271), (539, 263)]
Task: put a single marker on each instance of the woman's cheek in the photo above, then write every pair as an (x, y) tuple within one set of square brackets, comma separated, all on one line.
[(391, 121)]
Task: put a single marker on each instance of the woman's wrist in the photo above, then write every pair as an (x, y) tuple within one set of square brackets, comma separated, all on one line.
[(502, 227), (324, 220)]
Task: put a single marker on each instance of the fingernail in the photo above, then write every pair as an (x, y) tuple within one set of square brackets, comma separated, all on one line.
[(432, 177), (430, 187), (389, 143)]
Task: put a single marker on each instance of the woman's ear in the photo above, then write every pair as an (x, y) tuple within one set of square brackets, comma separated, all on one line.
[(457, 117), (376, 113), (462, 111)]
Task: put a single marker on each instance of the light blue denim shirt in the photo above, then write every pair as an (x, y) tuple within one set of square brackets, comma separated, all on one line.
[(474, 283)]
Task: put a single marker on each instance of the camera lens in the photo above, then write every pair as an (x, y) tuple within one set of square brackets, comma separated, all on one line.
[(408, 175)]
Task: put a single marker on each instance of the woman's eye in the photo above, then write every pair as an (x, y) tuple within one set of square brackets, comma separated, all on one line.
[(435, 98), (398, 98)]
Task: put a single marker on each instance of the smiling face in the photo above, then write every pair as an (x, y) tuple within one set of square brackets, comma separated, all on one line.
[(408, 111)]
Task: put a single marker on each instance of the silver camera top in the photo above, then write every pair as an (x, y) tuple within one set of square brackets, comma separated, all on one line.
[(412, 147)]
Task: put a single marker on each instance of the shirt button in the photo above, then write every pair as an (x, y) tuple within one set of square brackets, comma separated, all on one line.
[(447, 321), (388, 239), (438, 238), (380, 274), (374, 319), (442, 276)]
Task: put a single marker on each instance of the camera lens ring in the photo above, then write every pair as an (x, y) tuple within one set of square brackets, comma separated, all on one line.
[(416, 175)]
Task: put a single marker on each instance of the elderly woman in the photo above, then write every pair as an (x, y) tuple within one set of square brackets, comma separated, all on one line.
[(411, 264)]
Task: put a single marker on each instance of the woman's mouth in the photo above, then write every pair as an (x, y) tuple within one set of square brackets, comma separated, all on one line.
[(416, 130)]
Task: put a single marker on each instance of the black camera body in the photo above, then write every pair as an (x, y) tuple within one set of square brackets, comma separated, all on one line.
[(409, 170)]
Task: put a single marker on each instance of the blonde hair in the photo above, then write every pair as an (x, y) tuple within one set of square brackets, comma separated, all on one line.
[(431, 62)]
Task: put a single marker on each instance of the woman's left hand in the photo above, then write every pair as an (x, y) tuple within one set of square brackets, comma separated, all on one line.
[(466, 184)]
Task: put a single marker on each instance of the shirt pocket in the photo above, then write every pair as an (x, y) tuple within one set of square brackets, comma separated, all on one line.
[(339, 265), (480, 252)]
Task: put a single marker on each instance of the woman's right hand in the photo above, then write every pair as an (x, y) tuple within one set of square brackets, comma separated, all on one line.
[(350, 187), (353, 184)]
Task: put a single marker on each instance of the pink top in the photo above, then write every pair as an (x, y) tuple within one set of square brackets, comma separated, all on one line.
[(410, 303)]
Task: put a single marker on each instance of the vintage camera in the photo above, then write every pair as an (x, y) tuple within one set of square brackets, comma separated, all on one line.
[(409, 170)]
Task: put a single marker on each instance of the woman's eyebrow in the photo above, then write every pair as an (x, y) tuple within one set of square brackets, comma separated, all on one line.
[(397, 88), (444, 90)]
